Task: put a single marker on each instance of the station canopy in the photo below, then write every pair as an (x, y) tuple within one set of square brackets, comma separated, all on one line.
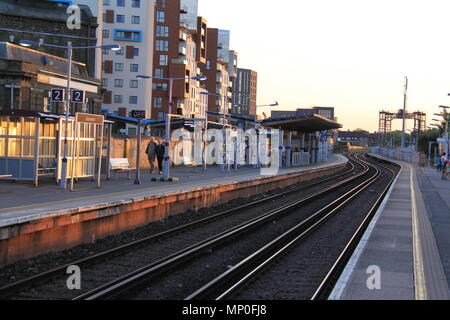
[(301, 123)]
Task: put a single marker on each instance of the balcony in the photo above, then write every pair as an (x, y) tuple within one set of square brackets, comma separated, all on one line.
[(182, 50), (180, 61), (183, 36)]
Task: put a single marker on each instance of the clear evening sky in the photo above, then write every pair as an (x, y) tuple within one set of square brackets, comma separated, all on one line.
[(350, 54)]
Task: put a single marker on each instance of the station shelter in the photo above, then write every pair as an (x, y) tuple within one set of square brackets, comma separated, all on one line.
[(31, 146), (305, 138)]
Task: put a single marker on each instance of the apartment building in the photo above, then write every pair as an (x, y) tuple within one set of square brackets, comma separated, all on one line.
[(245, 92), (179, 50), (129, 24), (218, 79), (96, 7)]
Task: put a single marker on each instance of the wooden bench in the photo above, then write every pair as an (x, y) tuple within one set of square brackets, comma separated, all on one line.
[(120, 164)]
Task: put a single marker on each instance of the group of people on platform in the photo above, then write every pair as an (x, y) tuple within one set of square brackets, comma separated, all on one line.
[(444, 166), (155, 152)]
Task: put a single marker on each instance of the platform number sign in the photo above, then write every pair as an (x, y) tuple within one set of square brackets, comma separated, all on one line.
[(57, 95), (77, 96)]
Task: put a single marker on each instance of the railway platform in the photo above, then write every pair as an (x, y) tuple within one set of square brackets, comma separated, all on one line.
[(34, 221), (404, 253)]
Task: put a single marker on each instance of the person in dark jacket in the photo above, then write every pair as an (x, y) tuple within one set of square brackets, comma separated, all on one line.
[(151, 154), (160, 151)]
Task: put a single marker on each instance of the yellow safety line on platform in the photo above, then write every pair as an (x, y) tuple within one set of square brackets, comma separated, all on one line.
[(419, 274)]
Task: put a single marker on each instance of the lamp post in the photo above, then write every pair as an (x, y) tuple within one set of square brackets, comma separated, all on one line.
[(166, 170), (70, 48), (405, 95)]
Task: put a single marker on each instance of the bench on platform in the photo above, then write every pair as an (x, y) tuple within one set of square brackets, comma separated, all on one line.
[(120, 164)]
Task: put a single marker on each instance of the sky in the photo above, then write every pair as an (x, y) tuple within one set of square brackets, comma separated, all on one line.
[(349, 54)]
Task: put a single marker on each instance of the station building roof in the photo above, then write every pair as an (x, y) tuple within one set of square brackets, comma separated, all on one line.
[(301, 123)]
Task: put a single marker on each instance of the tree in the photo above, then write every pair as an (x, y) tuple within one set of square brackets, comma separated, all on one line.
[(426, 137)]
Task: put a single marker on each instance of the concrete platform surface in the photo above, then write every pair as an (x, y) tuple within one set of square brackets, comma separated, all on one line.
[(397, 258), (21, 202)]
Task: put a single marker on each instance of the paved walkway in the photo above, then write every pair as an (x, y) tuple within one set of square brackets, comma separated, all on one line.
[(436, 195), (20, 202), (408, 243)]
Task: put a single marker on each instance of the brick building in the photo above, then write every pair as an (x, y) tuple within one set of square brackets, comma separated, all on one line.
[(218, 79), (180, 48), (34, 73), (46, 22)]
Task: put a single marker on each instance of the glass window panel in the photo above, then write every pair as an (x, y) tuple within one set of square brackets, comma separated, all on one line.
[(15, 126), (29, 125), (3, 126), (27, 147), (2, 147), (14, 147)]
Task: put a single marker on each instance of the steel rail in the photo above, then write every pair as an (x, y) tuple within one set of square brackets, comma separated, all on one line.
[(126, 282)]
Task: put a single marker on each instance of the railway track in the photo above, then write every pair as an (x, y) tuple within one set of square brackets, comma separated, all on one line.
[(170, 262), (223, 286)]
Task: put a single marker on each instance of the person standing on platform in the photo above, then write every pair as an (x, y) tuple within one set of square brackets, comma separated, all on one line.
[(160, 152), (151, 154), (445, 165)]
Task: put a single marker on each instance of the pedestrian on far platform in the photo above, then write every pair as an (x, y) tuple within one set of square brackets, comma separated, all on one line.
[(160, 152), (445, 166), (151, 153)]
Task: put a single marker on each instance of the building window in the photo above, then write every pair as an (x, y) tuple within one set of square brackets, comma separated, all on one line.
[(105, 51), (163, 60), (136, 52), (118, 83), (157, 102), (106, 2), (163, 3), (133, 100), (161, 115), (134, 67), (105, 83), (162, 45), (135, 19), (117, 99), (127, 35), (136, 3), (160, 16), (105, 34), (159, 73), (120, 18), (121, 3), (134, 83), (118, 67), (159, 86), (120, 52), (162, 31)]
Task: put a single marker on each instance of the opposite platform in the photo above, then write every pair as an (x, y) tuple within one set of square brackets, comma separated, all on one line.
[(400, 245)]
